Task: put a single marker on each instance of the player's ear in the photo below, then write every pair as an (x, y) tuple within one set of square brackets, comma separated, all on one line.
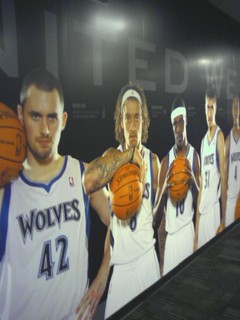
[(64, 119), (20, 113)]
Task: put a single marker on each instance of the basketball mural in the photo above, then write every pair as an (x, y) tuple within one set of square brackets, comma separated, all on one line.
[(94, 47)]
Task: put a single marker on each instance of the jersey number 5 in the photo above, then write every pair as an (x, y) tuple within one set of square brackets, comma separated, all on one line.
[(46, 267)]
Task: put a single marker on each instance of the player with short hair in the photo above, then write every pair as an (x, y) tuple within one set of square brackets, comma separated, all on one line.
[(178, 216), (212, 184), (133, 254), (232, 163), (44, 217)]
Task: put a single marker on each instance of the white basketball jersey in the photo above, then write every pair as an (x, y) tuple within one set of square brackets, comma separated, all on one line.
[(233, 167), (211, 184), (131, 238), (44, 264), (180, 214)]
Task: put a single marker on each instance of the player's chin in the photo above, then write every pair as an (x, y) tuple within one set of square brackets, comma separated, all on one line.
[(134, 142), (180, 144)]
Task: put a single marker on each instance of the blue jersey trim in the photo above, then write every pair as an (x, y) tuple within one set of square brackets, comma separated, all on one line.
[(86, 203), (217, 154), (4, 219), (48, 186), (151, 173)]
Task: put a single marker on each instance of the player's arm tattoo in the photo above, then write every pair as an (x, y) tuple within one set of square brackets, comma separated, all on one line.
[(102, 169)]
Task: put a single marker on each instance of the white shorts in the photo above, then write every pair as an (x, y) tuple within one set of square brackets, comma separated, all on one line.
[(208, 224), (178, 247), (129, 280), (230, 210)]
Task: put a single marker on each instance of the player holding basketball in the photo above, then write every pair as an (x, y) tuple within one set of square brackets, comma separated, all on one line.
[(212, 184), (232, 163), (133, 253), (44, 215), (178, 216)]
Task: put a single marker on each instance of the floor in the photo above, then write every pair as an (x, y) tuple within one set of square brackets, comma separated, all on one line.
[(205, 286)]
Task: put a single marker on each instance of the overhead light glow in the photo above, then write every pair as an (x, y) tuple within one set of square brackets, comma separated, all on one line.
[(204, 61), (109, 24)]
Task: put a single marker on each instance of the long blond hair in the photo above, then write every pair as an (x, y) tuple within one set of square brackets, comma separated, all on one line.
[(119, 133)]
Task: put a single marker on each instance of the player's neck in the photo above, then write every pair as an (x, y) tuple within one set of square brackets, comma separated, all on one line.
[(139, 147), (211, 131), (43, 171), (236, 131), (181, 153), (236, 126)]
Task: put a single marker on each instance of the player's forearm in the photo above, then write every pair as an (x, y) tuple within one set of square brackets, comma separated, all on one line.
[(158, 210), (101, 170), (197, 218), (105, 265)]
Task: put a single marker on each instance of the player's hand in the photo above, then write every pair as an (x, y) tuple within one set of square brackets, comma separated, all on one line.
[(138, 160), (143, 174), (220, 228), (167, 177), (137, 157), (87, 306), (190, 172), (195, 244)]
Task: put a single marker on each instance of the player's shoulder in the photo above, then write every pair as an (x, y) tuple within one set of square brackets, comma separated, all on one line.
[(194, 150), (228, 137), (164, 163), (220, 135), (155, 157), (74, 163)]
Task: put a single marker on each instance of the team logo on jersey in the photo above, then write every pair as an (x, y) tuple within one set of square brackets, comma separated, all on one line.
[(146, 192), (71, 181), (40, 219), (209, 159), (235, 156)]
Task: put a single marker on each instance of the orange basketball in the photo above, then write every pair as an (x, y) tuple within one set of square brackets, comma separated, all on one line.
[(12, 145), (178, 180), (237, 209), (126, 191)]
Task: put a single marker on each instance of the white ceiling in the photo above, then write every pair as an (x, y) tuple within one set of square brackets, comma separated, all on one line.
[(230, 7)]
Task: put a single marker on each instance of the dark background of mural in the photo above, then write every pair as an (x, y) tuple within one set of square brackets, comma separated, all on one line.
[(95, 47)]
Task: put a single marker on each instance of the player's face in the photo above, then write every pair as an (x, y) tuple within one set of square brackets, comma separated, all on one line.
[(235, 110), (210, 110), (179, 131), (43, 119), (132, 123)]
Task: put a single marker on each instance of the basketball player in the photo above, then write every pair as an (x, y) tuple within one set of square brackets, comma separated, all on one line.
[(232, 163), (212, 184), (44, 215), (179, 225), (133, 255)]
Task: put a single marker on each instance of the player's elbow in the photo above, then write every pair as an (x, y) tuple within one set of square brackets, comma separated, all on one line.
[(88, 184)]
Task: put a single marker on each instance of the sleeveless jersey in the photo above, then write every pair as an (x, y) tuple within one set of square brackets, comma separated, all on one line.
[(44, 264), (233, 167), (180, 214), (211, 184), (131, 238)]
